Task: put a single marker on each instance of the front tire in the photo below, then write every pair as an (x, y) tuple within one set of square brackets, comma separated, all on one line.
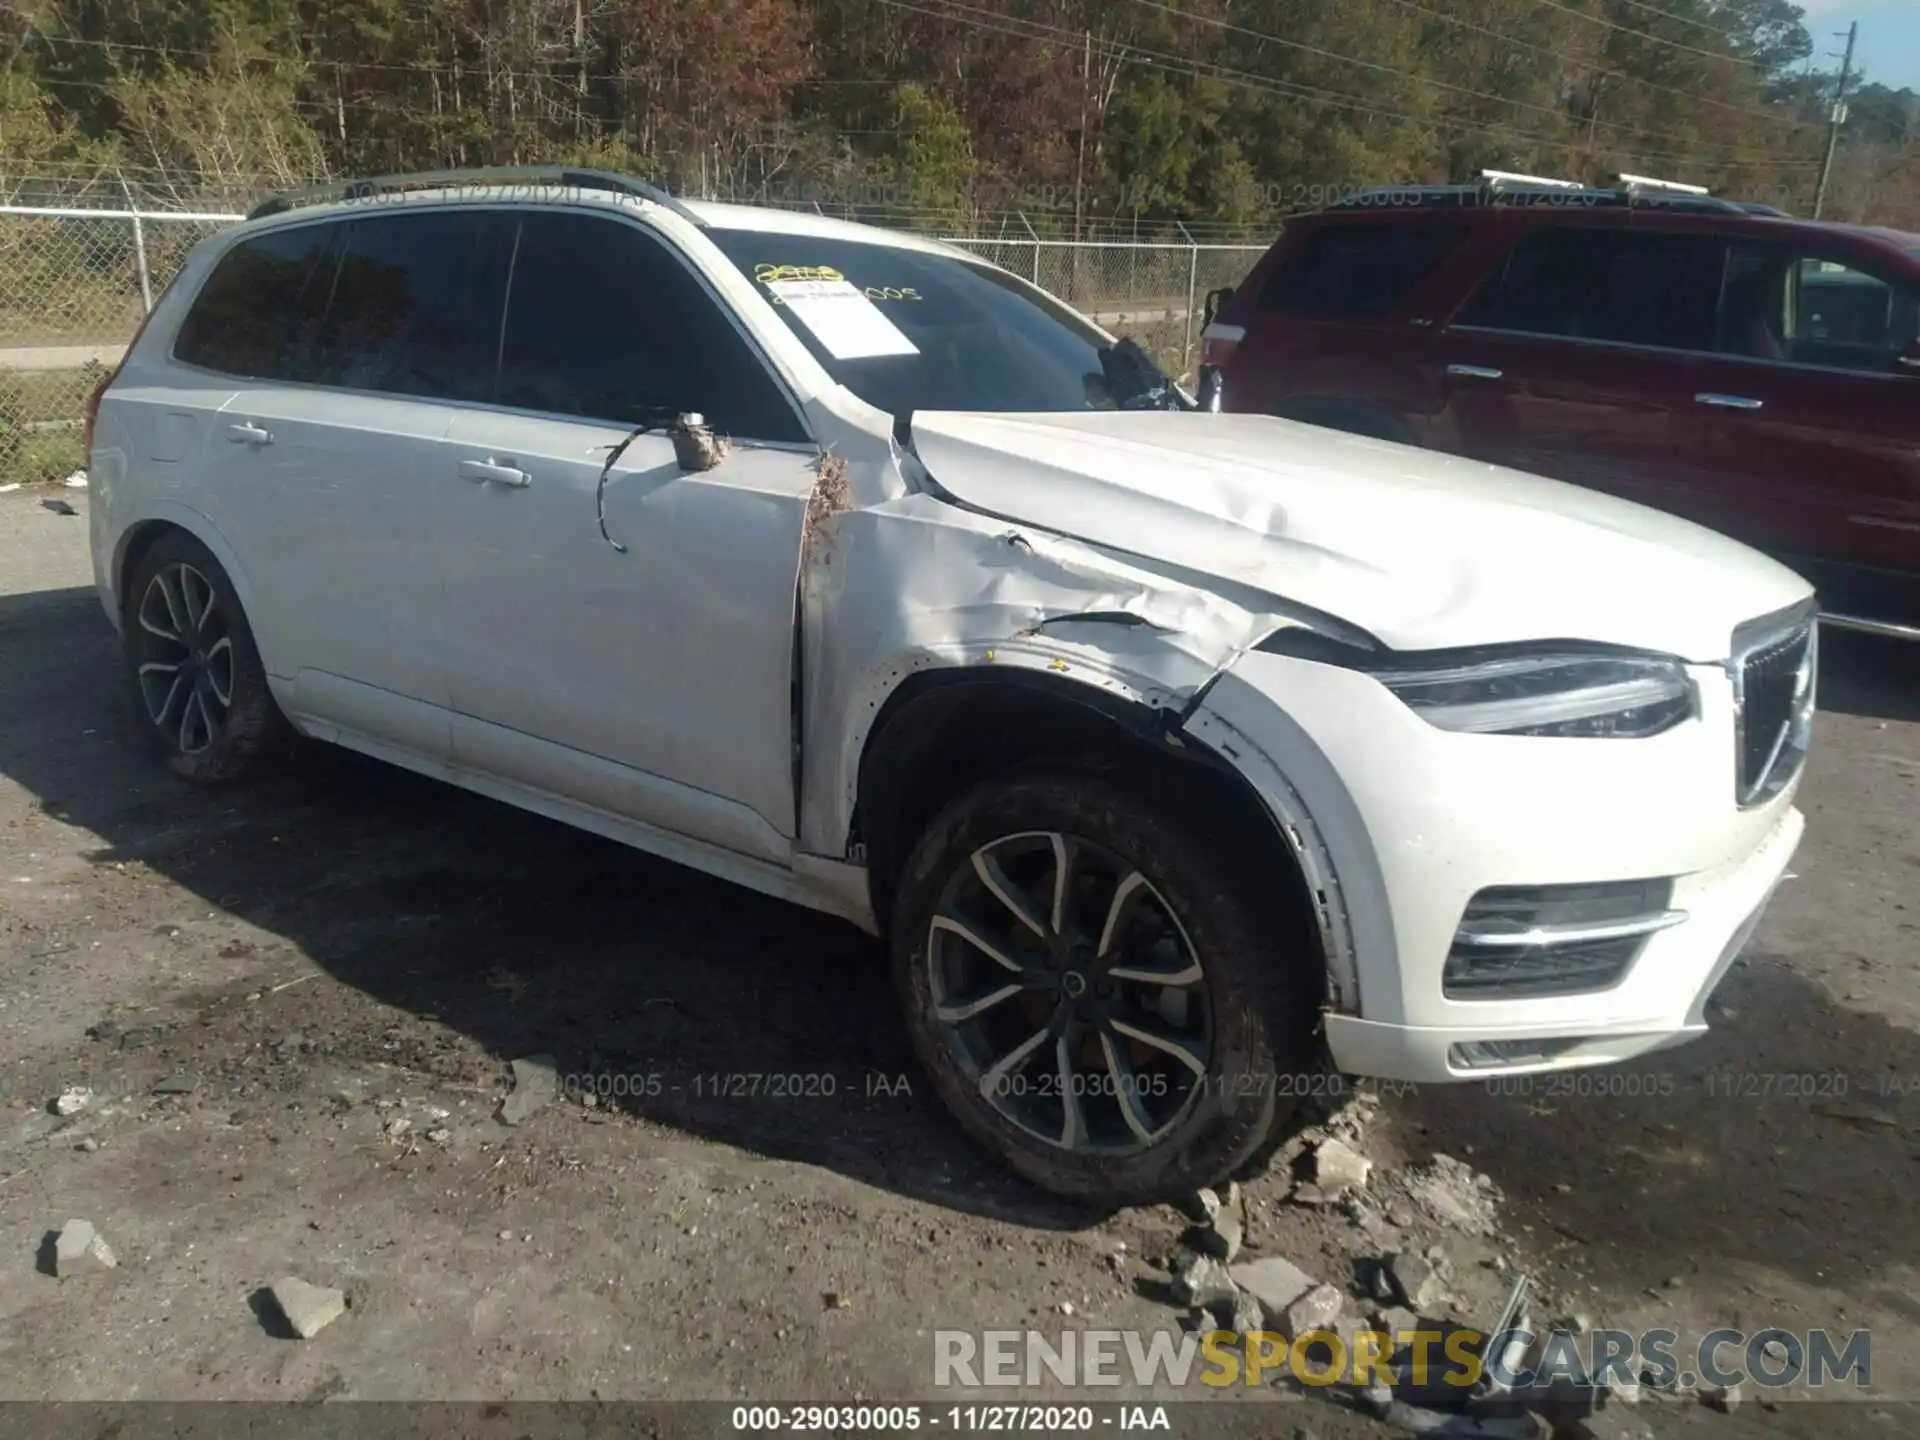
[(199, 687), (1099, 995)]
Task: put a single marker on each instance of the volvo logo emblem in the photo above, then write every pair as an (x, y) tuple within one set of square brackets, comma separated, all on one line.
[(1074, 983)]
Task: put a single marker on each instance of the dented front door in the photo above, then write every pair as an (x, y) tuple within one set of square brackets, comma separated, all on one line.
[(647, 672)]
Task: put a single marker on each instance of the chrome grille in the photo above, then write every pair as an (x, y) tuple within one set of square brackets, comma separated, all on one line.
[(1773, 678)]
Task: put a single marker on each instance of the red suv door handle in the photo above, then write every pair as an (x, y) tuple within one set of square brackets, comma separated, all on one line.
[(1475, 372), (1729, 402)]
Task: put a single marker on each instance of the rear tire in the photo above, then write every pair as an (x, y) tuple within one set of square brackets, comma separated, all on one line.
[(199, 687), (1146, 897)]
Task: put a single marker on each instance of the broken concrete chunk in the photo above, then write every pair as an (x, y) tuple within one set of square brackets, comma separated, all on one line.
[(1222, 1236), (79, 1249), (535, 1086), (1400, 1325), (1275, 1282), (72, 1100), (1201, 1280), (1318, 1309), (1724, 1398), (1240, 1314), (1204, 1205), (1453, 1194), (177, 1085), (1415, 1281), (309, 1308), (1334, 1169)]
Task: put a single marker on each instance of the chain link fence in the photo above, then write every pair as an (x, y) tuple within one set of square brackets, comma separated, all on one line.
[(75, 283), (1152, 292)]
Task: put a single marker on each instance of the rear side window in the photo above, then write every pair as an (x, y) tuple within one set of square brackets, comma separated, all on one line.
[(258, 299), (1655, 288), (1352, 272), (606, 323), (405, 304), (416, 306)]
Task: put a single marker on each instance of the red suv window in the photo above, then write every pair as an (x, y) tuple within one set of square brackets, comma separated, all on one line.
[(1625, 287), (1783, 303), (1357, 271)]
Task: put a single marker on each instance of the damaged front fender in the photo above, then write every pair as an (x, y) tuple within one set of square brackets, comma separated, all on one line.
[(915, 584)]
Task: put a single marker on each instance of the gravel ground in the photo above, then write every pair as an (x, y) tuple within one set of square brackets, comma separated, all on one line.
[(333, 971)]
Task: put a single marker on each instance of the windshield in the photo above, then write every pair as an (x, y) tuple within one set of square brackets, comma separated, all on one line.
[(906, 330)]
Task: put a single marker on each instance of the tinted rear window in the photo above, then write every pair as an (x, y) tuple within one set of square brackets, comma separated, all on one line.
[(1627, 287), (406, 304), (253, 304), (416, 306), (1345, 272)]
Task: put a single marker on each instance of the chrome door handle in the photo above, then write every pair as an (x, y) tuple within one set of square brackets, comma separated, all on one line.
[(491, 472), (1728, 402), (247, 433), (1475, 372)]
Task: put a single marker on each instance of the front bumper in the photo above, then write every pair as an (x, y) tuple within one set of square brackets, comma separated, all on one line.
[(1406, 823)]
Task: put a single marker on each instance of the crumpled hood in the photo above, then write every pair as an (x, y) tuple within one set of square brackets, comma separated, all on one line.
[(1423, 550)]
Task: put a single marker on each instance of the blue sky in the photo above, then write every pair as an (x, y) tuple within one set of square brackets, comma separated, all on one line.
[(1889, 49)]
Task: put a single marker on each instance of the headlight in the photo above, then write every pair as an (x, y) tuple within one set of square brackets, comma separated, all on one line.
[(1567, 695)]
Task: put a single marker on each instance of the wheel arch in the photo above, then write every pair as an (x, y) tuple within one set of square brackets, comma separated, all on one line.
[(140, 536), (941, 732)]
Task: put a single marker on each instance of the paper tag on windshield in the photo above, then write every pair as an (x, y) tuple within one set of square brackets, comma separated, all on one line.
[(842, 319)]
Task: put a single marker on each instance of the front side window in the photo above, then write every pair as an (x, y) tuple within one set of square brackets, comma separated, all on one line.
[(910, 330), (1782, 304), (607, 323), (1358, 271), (1623, 287)]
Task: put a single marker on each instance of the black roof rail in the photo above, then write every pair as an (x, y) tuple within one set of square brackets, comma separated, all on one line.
[(576, 177)]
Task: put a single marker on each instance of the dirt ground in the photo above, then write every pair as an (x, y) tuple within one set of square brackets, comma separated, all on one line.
[(309, 962)]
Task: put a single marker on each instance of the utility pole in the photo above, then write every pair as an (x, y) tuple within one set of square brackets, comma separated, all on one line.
[(1080, 162), (1839, 118)]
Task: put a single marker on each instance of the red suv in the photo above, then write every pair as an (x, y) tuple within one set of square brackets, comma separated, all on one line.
[(1757, 373)]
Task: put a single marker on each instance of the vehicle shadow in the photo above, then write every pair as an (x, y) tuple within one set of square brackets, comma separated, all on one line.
[(681, 998), (1781, 1139), (659, 982)]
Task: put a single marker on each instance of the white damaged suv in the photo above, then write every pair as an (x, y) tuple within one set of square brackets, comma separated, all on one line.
[(1170, 751)]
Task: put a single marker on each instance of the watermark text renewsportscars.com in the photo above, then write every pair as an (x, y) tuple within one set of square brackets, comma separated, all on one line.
[(1832, 1361)]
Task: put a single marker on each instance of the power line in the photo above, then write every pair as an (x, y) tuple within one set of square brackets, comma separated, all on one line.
[(1682, 19), (1643, 35), (1272, 39), (1047, 34), (1260, 84), (1630, 78), (1364, 64)]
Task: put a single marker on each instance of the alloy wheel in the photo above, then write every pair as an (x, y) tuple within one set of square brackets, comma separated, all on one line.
[(1066, 987), (185, 657)]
